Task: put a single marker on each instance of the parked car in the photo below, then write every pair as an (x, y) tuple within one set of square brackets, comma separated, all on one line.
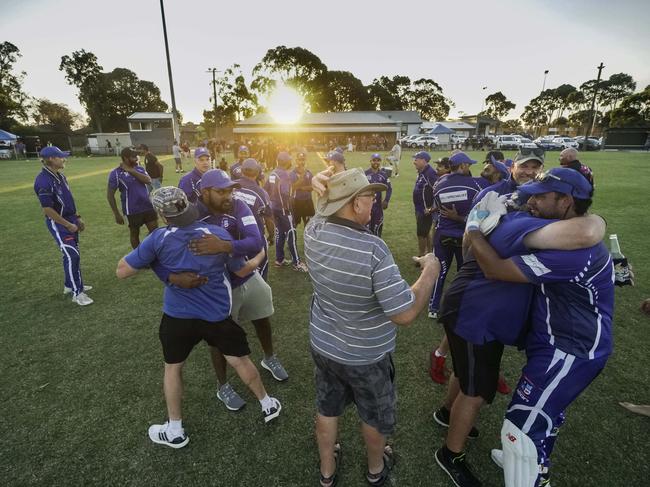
[(592, 143), (565, 142), (424, 141), (507, 142), (405, 141), (547, 143), (6, 150)]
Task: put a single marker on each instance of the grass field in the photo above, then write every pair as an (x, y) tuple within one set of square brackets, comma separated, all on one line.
[(80, 386)]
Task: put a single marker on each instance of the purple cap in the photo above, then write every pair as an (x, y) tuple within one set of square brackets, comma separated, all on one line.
[(422, 155), (242, 148), (53, 151), (375, 156), (335, 156), (201, 151), (508, 163), (284, 157), (218, 179), (460, 158), (561, 180), (250, 163), (500, 166), (339, 150)]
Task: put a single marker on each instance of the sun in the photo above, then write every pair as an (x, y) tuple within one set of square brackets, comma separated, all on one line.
[(285, 105)]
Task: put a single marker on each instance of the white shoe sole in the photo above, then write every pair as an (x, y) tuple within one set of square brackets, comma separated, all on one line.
[(271, 417), (497, 457), (175, 446), (271, 371)]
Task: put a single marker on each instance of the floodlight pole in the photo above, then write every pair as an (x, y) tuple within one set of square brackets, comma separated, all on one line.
[(175, 127), (593, 106), (214, 99), (482, 108), (544, 83)]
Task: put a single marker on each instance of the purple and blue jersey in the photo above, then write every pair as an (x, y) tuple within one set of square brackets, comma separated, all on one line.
[(573, 303), (53, 192), (458, 190), (134, 194), (257, 200), (423, 189), (278, 186), (306, 180), (168, 247), (191, 185), (505, 187), (381, 178), (235, 170)]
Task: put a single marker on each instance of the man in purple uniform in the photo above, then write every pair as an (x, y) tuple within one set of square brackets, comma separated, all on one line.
[(570, 338), (453, 196), (192, 315), (377, 175), (190, 182), (303, 205), (132, 180), (242, 154), (62, 219), (423, 200), (279, 188), (258, 201), (252, 299)]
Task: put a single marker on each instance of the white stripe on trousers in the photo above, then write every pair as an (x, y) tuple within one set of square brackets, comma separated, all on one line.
[(62, 246)]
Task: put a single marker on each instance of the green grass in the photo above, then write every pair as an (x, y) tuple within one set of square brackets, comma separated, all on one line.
[(81, 385)]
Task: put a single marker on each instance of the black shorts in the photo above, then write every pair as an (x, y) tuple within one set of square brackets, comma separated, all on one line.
[(423, 224), (370, 387), (475, 366), (303, 209), (178, 337), (138, 219)]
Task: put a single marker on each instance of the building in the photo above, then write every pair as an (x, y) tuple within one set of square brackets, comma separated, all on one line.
[(460, 128), (483, 124), (320, 130), (153, 129), (98, 144)]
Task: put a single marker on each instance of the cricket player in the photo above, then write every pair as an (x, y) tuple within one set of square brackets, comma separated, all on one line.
[(302, 204), (395, 157), (377, 175), (132, 180), (62, 220), (423, 200), (278, 187), (190, 183), (192, 315), (570, 338), (242, 154)]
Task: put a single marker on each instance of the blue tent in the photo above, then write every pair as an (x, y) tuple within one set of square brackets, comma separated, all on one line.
[(4, 135), (440, 130)]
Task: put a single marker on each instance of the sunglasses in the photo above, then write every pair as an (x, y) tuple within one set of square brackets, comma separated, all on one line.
[(547, 176), (526, 151)]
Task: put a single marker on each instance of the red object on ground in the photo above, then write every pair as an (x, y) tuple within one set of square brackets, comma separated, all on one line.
[(503, 387), (437, 369)]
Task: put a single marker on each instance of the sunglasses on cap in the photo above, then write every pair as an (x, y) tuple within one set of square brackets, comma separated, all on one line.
[(526, 151), (547, 176)]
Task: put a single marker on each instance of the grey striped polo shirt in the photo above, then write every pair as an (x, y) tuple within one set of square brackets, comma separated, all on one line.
[(357, 287)]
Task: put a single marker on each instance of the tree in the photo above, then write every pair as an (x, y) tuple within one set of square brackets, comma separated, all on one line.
[(295, 66), (14, 103), (615, 89), (634, 111), (338, 91), (580, 119), (497, 105), (389, 93), (57, 115), (535, 114), (425, 96), (84, 72), (560, 122), (237, 100), (513, 126), (563, 96)]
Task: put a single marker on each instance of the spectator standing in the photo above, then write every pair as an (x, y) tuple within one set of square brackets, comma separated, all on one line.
[(153, 167)]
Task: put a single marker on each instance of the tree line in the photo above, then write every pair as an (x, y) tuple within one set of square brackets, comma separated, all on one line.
[(109, 97)]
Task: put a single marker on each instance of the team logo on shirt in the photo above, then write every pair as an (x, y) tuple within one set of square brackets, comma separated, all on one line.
[(525, 389)]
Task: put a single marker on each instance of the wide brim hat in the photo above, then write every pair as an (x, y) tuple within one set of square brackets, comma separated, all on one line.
[(343, 187)]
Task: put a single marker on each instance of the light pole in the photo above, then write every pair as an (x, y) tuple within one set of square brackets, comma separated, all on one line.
[(214, 95), (482, 107), (544, 83), (175, 127), (593, 107)]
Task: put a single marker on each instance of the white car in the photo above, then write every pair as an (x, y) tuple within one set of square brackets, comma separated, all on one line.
[(565, 142), (507, 142), (423, 141), (404, 141)]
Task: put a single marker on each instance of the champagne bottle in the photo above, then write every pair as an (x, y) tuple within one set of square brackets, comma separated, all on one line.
[(622, 273)]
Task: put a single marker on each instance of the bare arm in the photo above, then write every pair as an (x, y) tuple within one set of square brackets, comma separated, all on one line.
[(421, 290), (492, 265), (53, 215), (270, 227), (124, 270), (110, 197), (251, 264), (575, 233)]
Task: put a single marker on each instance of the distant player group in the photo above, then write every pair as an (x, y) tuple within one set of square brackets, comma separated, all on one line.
[(532, 272)]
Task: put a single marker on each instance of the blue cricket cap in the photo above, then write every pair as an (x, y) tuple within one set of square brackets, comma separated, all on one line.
[(53, 151), (250, 163), (460, 158), (335, 156), (422, 155), (375, 156), (217, 179), (559, 180), (284, 157), (242, 148), (201, 151), (501, 167)]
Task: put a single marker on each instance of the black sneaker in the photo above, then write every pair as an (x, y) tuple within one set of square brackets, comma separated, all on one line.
[(457, 469), (441, 416)]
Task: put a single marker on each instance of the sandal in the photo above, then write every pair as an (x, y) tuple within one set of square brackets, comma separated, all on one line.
[(333, 479), (379, 479)]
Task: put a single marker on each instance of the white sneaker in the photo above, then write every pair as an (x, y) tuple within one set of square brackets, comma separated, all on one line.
[(82, 299), (273, 412), (497, 457), (68, 290), (158, 434)]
